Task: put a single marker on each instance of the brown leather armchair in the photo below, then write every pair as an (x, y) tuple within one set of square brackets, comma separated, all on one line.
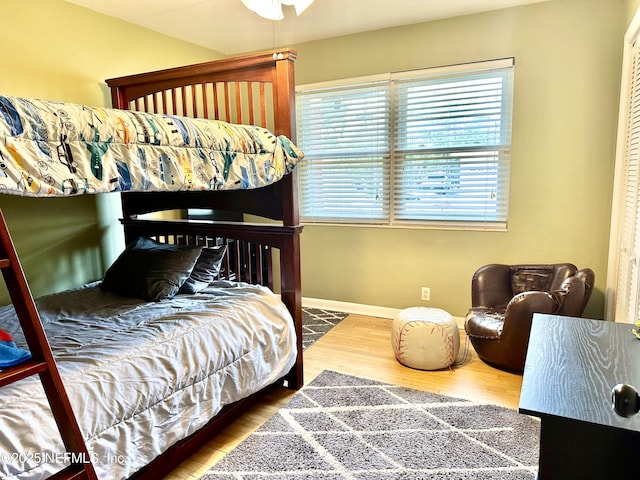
[(504, 299)]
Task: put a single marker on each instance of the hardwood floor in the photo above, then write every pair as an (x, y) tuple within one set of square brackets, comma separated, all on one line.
[(361, 346)]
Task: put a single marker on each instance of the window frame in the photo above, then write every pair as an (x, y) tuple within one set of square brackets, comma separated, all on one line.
[(391, 211)]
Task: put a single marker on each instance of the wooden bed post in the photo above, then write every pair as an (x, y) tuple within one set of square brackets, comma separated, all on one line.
[(285, 95), (291, 294), (285, 124)]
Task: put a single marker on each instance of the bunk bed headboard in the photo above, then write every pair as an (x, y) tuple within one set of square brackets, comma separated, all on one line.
[(256, 89)]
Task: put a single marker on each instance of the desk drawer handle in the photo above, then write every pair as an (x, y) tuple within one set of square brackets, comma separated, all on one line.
[(625, 400)]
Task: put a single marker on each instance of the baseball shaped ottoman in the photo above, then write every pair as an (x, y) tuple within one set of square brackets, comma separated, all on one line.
[(425, 338)]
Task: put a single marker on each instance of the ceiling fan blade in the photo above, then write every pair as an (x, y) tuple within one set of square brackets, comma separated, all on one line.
[(299, 5), (269, 9)]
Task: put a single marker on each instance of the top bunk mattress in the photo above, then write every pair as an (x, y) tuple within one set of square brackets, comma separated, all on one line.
[(141, 375), (50, 148)]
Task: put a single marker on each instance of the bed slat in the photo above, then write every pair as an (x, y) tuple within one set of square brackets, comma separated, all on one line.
[(244, 261)]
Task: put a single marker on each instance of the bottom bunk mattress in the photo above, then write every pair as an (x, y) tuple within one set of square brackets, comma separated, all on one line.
[(141, 375)]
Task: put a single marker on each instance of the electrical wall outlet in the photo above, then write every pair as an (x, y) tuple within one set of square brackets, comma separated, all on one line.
[(426, 294)]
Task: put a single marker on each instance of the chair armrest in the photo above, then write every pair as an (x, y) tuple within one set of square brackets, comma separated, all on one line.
[(588, 276), (572, 297), (518, 317), (491, 286), (521, 308), (519, 314)]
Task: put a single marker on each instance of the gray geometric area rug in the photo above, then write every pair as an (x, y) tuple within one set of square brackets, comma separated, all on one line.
[(316, 322), (345, 427)]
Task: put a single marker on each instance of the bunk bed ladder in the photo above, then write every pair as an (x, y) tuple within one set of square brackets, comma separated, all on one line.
[(41, 363)]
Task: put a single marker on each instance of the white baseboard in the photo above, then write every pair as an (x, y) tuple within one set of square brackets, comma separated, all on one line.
[(359, 308), (371, 310)]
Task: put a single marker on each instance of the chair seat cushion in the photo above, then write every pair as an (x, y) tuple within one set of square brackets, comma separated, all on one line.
[(482, 322)]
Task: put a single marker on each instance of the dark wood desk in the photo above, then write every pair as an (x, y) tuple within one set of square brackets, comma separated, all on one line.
[(572, 364)]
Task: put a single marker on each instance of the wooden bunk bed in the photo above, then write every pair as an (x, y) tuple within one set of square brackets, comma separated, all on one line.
[(254, 89)]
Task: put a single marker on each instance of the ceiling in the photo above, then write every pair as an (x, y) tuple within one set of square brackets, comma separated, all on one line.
[(228, 27)]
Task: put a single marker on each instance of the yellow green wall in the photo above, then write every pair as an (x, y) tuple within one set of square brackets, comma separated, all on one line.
[(567, 78), (56, 50), (568, 55), (632, 7)]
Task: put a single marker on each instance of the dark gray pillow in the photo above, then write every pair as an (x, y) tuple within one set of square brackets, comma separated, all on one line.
[(151, 270), (206, 269)]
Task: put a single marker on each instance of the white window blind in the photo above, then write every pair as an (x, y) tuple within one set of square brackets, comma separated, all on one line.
[(627, 251), (344, 133), (422, 146)]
